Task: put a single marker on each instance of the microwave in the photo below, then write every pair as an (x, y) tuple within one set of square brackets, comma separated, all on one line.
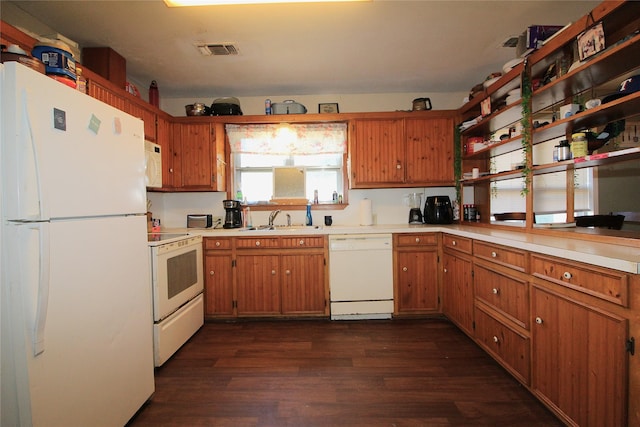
[(153, 164)]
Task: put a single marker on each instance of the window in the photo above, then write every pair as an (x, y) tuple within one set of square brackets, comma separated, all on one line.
[(317, 151)]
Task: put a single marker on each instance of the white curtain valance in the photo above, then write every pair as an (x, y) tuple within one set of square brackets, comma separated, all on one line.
[(288, 139)]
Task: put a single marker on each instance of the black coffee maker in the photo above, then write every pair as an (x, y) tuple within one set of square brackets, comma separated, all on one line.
[(233, 214)]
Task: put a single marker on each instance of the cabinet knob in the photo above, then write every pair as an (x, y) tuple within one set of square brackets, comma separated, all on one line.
[(398, 166), (404, 269), (445, 270), (417, 240), (301, 242), (539, 320), (170, 170), (273, 272), (211, 273), (567, 275), (495, 339), (257, 242), (454, 243), (217, 243), (495, 291), (493, 254), (288, 272)]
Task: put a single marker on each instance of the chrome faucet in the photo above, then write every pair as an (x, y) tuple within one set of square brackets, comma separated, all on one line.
[(272, 217)]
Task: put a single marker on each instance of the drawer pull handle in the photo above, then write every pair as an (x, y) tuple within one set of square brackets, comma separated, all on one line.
[(301, 242), (273, 272), (211, 273), (258, 243), (404, 269), (288, 272), (417, 240), (495, 291), (567, 275), (454, 243), (494, 255), (539, 320), (495, 339), (217, 243)]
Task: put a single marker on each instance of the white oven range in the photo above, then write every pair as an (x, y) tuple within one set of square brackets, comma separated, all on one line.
[(178, 286)]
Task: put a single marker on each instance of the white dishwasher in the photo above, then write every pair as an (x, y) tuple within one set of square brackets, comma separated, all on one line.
[(361, 276)]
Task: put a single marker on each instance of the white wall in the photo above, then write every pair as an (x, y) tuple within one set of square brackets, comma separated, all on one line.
[(388, 207)]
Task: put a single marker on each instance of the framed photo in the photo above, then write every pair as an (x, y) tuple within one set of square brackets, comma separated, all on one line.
[(591, 42), (331, 108)]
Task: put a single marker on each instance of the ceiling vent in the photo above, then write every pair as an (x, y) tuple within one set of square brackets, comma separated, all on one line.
[(223, 49)]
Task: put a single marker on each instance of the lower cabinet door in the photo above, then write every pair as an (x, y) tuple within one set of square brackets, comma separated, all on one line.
[(218, 284), (417, 280), (303, 284), (457, 291), (258, 284), (580, 360), (506, 344)]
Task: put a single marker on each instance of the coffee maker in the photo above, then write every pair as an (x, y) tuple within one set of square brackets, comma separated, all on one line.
[(233, 214), (414, 200)]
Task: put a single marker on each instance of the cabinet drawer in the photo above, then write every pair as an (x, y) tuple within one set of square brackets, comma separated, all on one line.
[(422, 239), (603, 283), (257, 242), (216, 243), (512, 258), (461, 244), (504, 343), (302, 242), (508, 295)]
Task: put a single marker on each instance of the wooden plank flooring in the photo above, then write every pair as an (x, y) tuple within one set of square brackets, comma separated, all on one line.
[(349, 373)]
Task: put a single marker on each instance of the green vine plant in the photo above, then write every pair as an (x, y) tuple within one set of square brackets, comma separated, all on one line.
[(457, 162), (494, 184), (526, 91)]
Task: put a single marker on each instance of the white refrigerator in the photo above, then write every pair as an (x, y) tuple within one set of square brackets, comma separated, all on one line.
[(75, 301)]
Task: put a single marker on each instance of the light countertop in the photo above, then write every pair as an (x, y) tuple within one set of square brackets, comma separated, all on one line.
[(623, 258)]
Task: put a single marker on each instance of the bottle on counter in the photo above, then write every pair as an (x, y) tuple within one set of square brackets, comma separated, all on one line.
[(335, 196), (267, 106), (315, 197), (154, 94), (309, 218)]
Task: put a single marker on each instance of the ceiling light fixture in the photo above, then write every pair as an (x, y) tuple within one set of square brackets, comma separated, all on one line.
[(181, 3)]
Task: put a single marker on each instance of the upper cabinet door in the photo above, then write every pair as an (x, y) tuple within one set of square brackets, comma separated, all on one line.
[(429, 151), (377, 153)]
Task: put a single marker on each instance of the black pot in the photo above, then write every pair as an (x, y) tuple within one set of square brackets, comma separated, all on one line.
[(224, 109), (438, 210)]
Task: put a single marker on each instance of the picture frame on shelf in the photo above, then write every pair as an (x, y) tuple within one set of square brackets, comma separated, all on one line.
[(328, 108), (591, 41)]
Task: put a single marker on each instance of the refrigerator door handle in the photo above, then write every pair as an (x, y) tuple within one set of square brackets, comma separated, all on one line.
[(31, 165), (42, 298)]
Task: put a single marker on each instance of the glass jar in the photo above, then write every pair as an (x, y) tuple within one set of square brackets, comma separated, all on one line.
[(579, 145)]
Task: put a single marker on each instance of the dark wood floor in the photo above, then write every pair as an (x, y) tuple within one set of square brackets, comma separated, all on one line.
[(323, 373)]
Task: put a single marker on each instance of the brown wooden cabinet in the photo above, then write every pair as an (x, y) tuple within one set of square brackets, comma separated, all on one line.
[(429, 151), (147, 115), (457, 282), (165, 140), (415, 273), (218, 277), (281, 276), (106, 95), (258, 283), (580, 363), (401, 152), (194, 157)]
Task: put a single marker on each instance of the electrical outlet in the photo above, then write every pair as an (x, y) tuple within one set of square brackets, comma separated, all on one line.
[(217, 220)]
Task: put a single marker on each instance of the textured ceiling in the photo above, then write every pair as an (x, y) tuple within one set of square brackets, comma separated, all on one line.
[(302, 48)]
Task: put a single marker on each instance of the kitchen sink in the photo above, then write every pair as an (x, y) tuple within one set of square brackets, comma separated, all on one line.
[(282, 228)]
